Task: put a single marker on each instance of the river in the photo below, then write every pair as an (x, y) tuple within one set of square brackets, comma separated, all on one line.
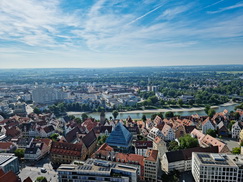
[(139, 114)]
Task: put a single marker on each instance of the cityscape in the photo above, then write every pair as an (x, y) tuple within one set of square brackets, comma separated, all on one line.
[(121, 91)]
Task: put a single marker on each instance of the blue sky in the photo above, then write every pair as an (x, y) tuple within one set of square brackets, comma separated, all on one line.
[(120, 33)]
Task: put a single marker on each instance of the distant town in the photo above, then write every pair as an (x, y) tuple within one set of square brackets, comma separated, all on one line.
[(182, 123)]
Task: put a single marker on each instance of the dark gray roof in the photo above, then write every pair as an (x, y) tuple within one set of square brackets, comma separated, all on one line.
[(72, 135), (33, 148), (186, 154), (48, 129), (89, 139), (189, 129)]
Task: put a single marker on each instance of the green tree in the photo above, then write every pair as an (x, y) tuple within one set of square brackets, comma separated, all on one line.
[(160, 114), (115, 114), (84, 116), (173, 146), (78, 120), (19, 153), (169, 114), (41, 179), (236, 115), (102, 139), (188, 142), (236, 150), (180, 102), (231, 124), (211, 132), (37, 110), (153, 99), (207, 107), (211, 112), (54, 136), (153, 116), (71, 117), (144, 118)]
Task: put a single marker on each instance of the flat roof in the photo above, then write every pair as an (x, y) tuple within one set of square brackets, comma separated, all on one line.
[(215, 159), (94, 166), (6, 158)]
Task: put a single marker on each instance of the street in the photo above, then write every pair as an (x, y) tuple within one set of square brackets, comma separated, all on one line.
[(35, 171)]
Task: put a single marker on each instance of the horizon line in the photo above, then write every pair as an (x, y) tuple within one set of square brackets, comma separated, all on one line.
[(13, 68)]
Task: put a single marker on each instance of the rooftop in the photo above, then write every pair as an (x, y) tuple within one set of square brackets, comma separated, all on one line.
[(215, 159), (95, 166), (120, 136)]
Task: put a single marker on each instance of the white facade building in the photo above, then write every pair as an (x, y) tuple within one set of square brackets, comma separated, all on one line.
[(44, 95), (217, 167), (235, 130)]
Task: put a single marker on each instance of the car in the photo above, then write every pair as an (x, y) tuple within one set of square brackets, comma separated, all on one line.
[(43, 170)]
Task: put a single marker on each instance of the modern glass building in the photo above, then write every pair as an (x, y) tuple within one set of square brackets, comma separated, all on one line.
[(120, 139), (9, 162)]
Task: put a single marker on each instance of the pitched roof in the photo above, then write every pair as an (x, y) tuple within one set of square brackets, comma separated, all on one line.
[(209, 140), (28, 180), (9, 177), (33, 148), (197, 134), (186, 154), (12, 132), (6, 145), (66, 149), (49, 129), (130, 158), (189, 129), (104, 150), (222, 127), (89, 139), (89, 124), (47, 141), (152, 155), (166, 129), (72, 134), (207, 120), (119, 136), (158, 120)]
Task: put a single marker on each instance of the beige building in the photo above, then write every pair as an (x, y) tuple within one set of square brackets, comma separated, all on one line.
[(181, 160), (65, 153), (151, 165)]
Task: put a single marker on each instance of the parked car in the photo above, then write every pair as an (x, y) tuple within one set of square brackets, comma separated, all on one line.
[(43, 170)]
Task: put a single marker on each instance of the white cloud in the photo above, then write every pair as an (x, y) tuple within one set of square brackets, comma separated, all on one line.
[(239, 5), (173, 12), (32, 22)]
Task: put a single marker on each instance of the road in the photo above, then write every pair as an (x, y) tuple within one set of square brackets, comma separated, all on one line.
[(35, 171)]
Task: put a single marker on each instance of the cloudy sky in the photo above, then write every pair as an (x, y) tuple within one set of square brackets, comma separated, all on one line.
[(120, 33)]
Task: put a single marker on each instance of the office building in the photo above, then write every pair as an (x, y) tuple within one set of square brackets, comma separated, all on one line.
[(97, 170), (217, 167)]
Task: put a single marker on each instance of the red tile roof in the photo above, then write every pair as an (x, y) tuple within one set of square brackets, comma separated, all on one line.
[(152, 155), (28, 180), (9, 177), (66, 149), (6, 145)]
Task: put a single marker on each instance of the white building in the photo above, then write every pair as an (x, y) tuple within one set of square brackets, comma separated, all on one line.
[(141, 147), (97, 170), (168, 133), (153, 133), (45, 95), (217, 167), (206, 125), (236, 128), (181, 160)]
